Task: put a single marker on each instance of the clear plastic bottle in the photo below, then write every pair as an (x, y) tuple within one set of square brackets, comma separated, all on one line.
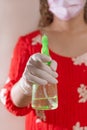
[(45, 97)]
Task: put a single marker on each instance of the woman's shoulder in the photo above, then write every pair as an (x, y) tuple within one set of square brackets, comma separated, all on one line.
[(32, 37), (30, 42), (32, 33)]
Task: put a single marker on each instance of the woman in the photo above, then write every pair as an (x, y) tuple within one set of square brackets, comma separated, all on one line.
[(64, 22)]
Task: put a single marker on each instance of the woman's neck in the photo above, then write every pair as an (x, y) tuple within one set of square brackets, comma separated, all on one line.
[(74, 25)]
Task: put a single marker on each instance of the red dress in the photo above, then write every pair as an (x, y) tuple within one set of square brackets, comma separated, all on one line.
[(71, 113)]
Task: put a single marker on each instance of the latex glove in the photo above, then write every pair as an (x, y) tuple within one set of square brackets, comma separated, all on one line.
[(37, 71)]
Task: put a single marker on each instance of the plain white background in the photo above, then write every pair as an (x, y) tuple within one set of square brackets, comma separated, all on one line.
[(17, 17)]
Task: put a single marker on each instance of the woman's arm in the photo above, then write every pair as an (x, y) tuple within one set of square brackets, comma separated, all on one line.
[(11, 93), (18, 97)]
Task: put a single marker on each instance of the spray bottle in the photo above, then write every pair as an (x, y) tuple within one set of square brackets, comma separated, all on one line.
[(45, 97)]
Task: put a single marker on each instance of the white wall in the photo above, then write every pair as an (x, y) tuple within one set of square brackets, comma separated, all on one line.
[(17, 17)]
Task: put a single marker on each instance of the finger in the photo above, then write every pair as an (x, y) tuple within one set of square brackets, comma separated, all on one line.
[(43, 66), (42, 74), (33, 79), (41, 57), (53, 65)]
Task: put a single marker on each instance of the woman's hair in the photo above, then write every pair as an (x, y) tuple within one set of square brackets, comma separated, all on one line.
[(47, 17), (85, 12)]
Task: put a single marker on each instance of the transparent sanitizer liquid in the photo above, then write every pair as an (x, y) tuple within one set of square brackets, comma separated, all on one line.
[(44, 97)]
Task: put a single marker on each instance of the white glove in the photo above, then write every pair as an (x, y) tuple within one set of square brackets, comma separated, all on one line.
[(37, 71)]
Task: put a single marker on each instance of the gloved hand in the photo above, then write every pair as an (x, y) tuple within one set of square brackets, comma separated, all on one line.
[(37, 71)]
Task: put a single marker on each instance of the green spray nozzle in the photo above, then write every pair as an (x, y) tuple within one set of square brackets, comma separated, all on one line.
[(45, 49)]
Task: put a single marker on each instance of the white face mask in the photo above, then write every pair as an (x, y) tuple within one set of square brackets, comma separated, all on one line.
[(66, 9)]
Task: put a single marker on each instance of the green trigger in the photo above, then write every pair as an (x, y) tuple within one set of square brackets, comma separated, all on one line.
[(45, 49)]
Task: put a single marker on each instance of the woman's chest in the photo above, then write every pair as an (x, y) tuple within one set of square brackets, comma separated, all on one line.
[(72, 79)]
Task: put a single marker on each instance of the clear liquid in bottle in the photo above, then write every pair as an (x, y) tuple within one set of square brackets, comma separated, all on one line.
[(45, 97)]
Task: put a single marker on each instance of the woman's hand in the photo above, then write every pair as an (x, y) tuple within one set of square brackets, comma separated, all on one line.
[(37, 71)]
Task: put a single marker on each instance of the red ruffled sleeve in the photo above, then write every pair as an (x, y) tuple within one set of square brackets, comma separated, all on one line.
[(21, 54)]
